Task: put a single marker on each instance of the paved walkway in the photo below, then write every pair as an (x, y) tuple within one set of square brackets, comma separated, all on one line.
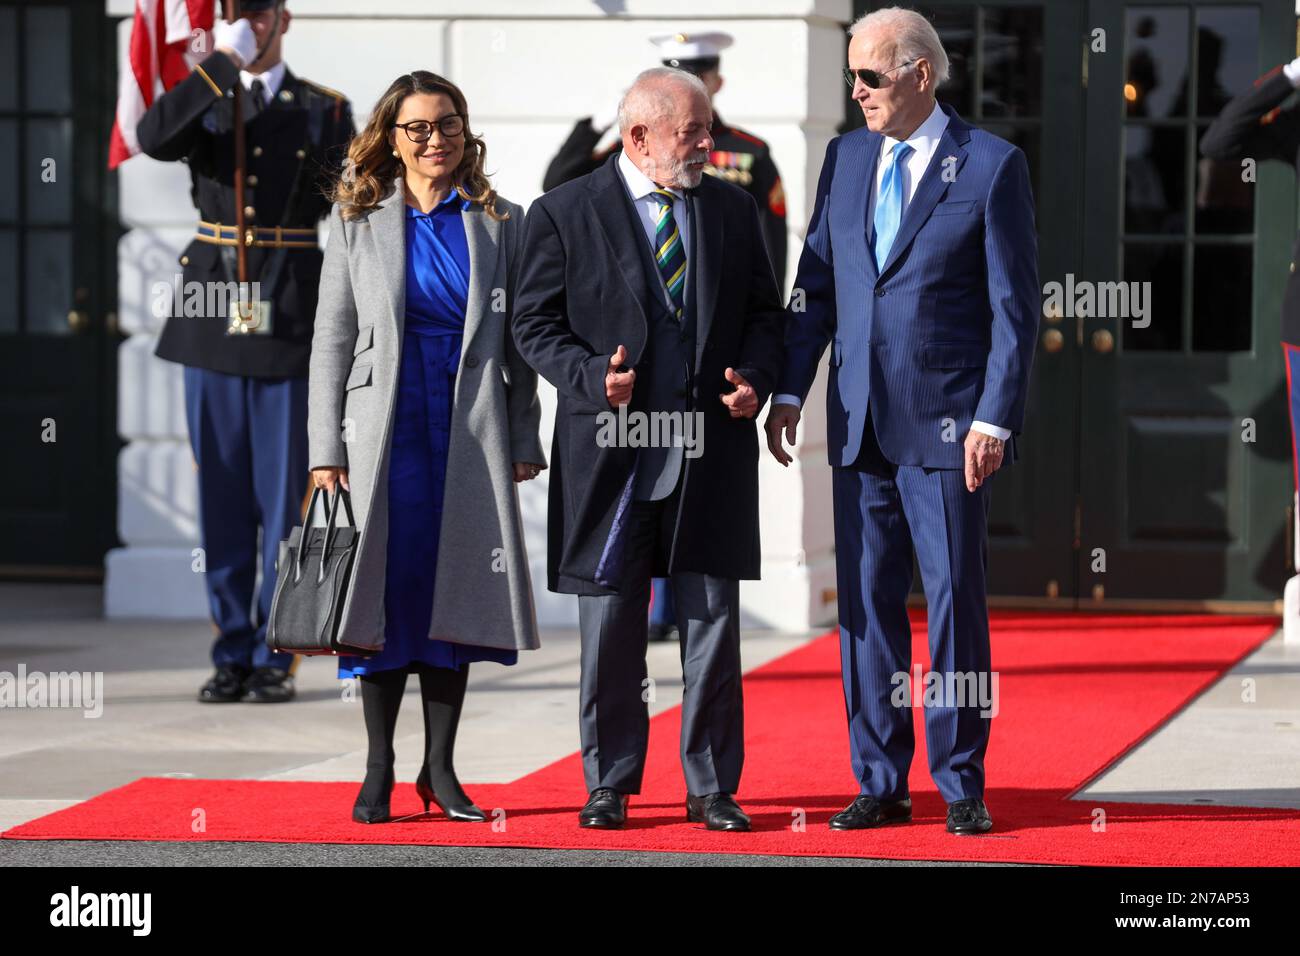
[(516, 720)]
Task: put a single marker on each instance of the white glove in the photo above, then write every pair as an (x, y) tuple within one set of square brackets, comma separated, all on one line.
[(1292, 71), (236, 40)]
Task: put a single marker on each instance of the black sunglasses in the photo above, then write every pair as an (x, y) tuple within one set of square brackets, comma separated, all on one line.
[(419, 131), (870, 77)]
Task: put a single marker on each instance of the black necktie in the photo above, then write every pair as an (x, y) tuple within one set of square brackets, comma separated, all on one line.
[(257, 98)]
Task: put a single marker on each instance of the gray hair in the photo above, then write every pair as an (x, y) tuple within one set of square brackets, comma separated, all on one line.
[(650, 97), (907, 36)]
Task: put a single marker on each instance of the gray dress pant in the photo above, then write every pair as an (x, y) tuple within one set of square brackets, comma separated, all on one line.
[(614, 716)]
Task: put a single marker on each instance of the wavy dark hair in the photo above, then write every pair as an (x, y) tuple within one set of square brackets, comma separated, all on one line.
[(370, 167)]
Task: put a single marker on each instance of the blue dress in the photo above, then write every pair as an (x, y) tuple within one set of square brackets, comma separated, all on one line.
[(437, 287)]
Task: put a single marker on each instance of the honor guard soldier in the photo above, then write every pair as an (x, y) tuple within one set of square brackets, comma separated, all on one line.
[(738, 157), (246, 361)]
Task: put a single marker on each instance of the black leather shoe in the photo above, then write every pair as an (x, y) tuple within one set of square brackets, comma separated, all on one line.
[(717, 811), (967, 817), (867, 812), (458, 806), (225, 686), (268, 685), (606, 809), (663, 632)]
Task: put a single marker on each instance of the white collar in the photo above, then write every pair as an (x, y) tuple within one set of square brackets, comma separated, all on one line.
[(925, 138), (638, 182), (271, 79)]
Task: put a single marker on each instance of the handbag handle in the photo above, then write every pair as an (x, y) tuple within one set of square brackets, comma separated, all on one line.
[(300, 557), (341, 496)]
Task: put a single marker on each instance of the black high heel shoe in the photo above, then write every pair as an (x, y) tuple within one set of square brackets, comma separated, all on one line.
[(459, 808), (366, 812)]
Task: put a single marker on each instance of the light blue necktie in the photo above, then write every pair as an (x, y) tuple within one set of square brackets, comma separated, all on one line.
[(889, 204)]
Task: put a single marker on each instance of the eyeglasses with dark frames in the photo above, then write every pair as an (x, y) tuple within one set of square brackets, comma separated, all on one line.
[(870, 77), (419, 131)]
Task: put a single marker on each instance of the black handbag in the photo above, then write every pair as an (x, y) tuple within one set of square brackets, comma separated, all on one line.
[(312, 580)]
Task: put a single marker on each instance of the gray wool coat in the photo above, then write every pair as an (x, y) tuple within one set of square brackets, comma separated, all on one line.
[(483, 593)]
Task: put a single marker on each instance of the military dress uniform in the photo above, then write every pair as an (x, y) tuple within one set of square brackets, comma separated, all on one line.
[(246, 384)]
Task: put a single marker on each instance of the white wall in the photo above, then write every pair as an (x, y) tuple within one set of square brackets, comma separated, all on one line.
[(529, 70)]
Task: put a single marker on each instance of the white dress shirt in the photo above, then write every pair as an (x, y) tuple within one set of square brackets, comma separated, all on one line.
[(271, 80), (924, 141)]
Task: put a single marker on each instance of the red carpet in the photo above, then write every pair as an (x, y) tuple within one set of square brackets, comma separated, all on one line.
[(1077, 692)]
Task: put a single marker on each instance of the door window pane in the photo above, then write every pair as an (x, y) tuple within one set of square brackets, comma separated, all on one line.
[(1013, 61), (8, 170), (49, 281), (1225, 202), (1156, 45), (48, 172), (1222, 305), (8, 281), (1228, 54), (1155, 179), (8, 59), (48, 73), (1160, 264), (956, 29)]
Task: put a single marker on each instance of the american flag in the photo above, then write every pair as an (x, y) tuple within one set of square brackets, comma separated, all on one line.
[(167, 38)]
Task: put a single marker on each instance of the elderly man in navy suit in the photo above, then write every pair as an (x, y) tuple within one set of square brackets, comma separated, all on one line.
[(920, 270)]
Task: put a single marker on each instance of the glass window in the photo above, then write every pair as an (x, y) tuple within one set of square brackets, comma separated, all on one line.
[(48, 73), (48, 291), (8, 169), (1155, 80), (48, 171), (8, 280), (1013, 61), (956, 29), (1155, 179), (8, 59), (1161, 265), (1222, 278), (1173, 60)]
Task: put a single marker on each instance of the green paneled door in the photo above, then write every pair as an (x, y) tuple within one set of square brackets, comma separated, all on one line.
[(58, 288), (1185, 476)]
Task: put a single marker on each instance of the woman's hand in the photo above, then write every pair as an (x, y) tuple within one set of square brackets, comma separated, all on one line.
[(326, 477), (526, 471)]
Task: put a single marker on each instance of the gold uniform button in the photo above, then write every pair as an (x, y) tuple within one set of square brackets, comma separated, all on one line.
[(301, 154), (250, 212), (257, 150), (252, 180), (185, 260), (1293, 267)]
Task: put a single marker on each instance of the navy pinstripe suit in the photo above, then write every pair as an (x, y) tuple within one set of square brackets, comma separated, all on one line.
[(942, 335)]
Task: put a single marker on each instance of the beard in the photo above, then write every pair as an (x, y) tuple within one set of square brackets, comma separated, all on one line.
[(678, 173)]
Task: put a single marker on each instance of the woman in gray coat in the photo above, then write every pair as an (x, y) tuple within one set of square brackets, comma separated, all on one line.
[(416, 387)]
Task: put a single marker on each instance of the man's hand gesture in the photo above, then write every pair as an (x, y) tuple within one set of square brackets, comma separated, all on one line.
[(618, 385), (743, 402)]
